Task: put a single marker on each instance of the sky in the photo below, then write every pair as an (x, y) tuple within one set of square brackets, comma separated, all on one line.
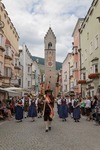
[(32, 19)]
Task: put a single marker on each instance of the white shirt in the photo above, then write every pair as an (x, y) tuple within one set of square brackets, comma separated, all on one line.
[(87, 103), (59, 101)]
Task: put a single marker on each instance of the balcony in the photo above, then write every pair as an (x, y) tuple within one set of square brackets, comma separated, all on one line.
[(2, 48), (17, 67), (8, 57), (81, 81), (94, 75)]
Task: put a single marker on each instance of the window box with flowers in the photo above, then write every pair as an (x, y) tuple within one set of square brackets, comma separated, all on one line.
[(81, 81), (94, 75)]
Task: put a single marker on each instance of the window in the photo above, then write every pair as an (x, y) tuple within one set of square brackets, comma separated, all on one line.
[(75, 82), (66, 87), (8, 51), (91, 47), (16, 62), (72, 84), (85, 54), (87, 35), (49, 45), (83, 76), (75, 65), (7, 72), (29, 70), (75, 50), (1, 39), (29, 83), (65, 77), (0, 68), (71, 71), (96, 42), (82, 58), (95, 68)]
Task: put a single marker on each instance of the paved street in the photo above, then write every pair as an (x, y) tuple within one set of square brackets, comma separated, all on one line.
[(68, 135)]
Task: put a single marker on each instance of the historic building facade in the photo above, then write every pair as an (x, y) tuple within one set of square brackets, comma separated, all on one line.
[(76, 57), (90, 50), (50, 60), (66, 74), (9, 52), (30, 77)]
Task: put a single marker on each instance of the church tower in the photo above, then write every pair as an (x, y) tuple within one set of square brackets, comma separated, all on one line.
[(50, 60)]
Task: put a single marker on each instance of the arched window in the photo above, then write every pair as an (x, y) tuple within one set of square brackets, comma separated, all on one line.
[(49, 45)]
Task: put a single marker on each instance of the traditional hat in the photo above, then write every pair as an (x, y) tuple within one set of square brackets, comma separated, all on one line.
[(48, 91)]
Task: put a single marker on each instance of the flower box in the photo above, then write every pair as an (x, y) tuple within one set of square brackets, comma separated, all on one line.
[(82, 82), (93, 75)]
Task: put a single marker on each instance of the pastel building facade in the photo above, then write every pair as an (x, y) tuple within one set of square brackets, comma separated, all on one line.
[(76, 57), (90, 50), (9, 52), (66, 74)]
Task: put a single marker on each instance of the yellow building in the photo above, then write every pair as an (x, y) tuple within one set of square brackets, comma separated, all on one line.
[(90, 50), (9, 53)]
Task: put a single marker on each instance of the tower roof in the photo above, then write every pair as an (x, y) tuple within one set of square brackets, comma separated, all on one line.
[(50, 31)]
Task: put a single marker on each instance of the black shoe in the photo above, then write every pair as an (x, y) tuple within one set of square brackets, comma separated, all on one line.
[(49, 128), (46, 130), (65, 120)]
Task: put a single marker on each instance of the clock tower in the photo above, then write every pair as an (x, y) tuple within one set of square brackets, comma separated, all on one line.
[(50, 60)]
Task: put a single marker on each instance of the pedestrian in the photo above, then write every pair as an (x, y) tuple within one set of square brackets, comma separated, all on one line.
[(70, 106), (19, 110), (58, 103), (26, 107), (63, 111), (88, 108), (32, 112), (76, 111), (98, 107), (93, 106), (82, 106), (48, 109), (40, 106)]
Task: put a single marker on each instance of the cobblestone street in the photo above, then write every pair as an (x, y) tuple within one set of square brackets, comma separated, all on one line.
[(68, 135)]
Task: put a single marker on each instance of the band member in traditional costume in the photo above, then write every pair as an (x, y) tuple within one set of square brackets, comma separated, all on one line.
[(76, 112), (48, 109), (26, 106), (32, 112), (19, 110), (63, 111)]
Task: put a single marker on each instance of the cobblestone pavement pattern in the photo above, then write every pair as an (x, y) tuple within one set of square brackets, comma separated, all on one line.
[(68, 135)]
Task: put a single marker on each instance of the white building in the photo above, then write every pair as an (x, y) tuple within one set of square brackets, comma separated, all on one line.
[(26, 67), (36, 78), (66, 74), (30, 77)]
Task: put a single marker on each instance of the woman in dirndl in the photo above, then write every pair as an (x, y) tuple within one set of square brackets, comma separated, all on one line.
[(32, 112), (76, 111), (63, 110), (19, 110)]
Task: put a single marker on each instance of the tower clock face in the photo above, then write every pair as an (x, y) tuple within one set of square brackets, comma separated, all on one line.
[(50, 63)]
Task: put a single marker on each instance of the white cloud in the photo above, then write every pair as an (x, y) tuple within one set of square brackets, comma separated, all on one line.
[(33, 17)]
